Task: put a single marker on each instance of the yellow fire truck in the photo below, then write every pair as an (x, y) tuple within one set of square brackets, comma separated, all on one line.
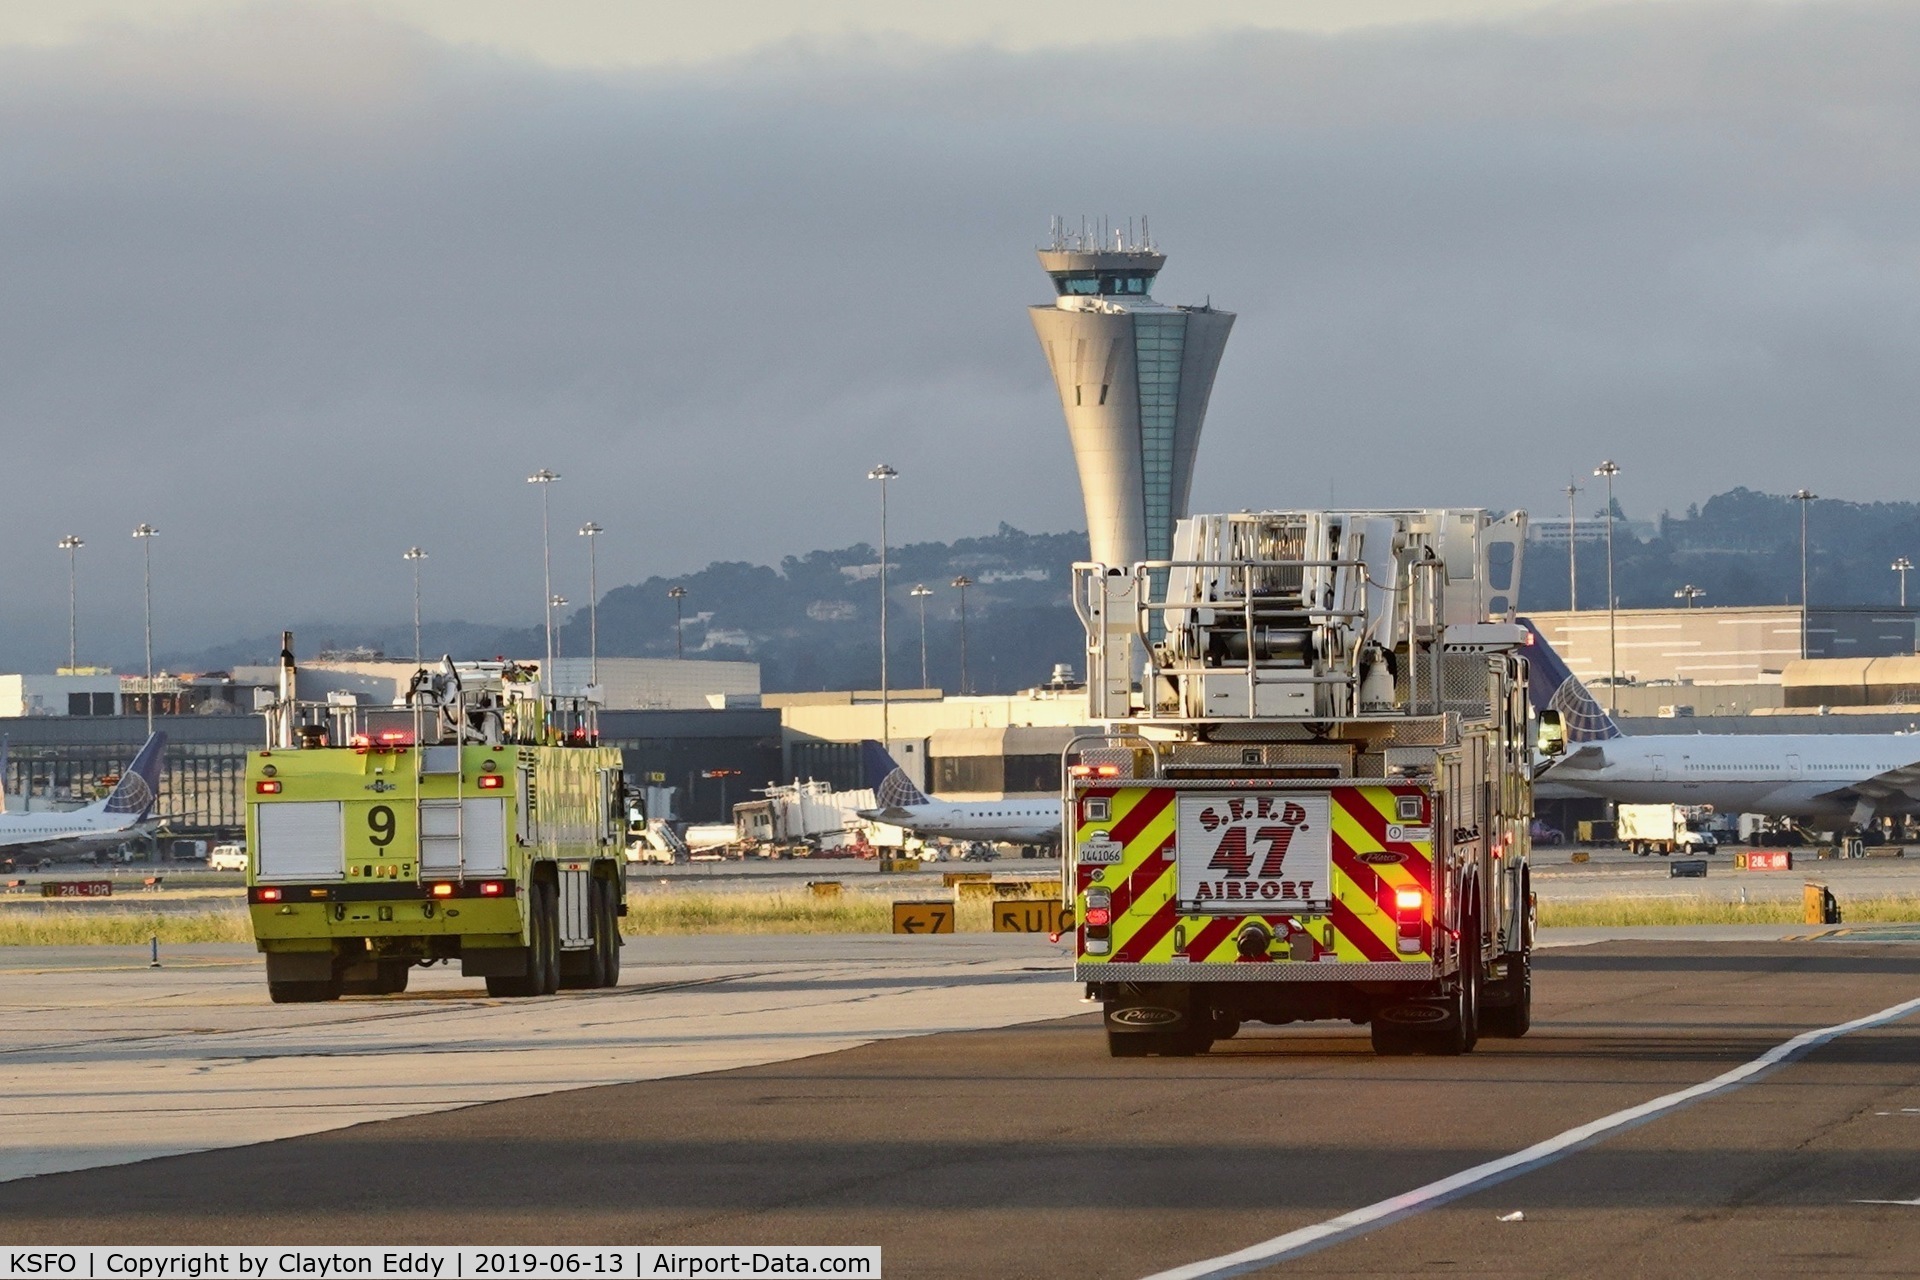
[(1312, 796), (477, 822)]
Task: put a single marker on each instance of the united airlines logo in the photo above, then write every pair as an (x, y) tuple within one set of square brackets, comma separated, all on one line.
[(1583, 717), (132, 795), (897, 792)]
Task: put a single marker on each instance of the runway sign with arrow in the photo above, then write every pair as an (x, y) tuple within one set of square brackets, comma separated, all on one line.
[(923, 917)]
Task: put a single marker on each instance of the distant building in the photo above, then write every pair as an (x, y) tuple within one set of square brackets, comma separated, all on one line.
[(1134, 376), (628, 684), (1549, 532), (1720, 645), (94, 694)]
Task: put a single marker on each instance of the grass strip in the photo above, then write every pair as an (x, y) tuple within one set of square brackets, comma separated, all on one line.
[(782, 911), (122, 928), (1627, 911)]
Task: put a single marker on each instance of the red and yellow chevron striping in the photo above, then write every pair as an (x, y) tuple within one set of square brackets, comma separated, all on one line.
[(1374, 853)]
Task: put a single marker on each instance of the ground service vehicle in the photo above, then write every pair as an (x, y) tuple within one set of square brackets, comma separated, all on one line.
[(1316, 803), (476, 823), (1664, 828)]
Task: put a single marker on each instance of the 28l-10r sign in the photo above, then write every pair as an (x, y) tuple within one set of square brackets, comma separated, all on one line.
[(1254, 852)]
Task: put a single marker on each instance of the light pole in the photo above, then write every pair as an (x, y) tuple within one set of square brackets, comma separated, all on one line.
[(72, 543), (1610, 470), (920, 593), (591, 532), (677, 594), (884, 473), (1900, 567), (963, 582), (556, 602), (146, 532), (1689, 593), (414, 555), (1803, 497), (1573, 574), (545, 478)]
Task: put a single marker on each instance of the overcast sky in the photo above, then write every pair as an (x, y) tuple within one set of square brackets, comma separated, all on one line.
[(304, 284)]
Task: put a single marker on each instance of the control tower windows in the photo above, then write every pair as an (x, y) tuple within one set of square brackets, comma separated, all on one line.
[(1090, 284)]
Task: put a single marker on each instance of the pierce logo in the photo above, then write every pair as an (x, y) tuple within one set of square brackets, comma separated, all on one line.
[(1413, 1013), (1144, 1016), (1381, 857)]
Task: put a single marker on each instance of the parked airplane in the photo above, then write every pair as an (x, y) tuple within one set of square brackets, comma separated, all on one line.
[(901, 804), (123, 813), (1830, 779)]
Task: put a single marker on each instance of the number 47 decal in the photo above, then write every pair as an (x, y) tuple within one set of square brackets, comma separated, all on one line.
[(1236, 859)]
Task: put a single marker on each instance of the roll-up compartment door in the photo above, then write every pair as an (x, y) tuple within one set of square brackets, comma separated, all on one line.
[(483, 835), (300, 840)]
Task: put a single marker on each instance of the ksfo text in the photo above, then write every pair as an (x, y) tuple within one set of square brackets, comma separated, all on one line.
[(434, 1262), (217, 1264)]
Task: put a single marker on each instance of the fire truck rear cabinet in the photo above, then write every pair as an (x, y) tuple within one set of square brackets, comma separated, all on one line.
[(476, 823), (1311, 799)]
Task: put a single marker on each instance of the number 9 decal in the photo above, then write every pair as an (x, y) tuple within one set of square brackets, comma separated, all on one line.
[(380, 826)]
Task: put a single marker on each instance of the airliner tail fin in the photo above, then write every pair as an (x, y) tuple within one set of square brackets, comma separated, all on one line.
[(1553, 687), (892, 788), (139, 787)]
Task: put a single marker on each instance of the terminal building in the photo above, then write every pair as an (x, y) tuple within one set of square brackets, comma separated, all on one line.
[(1134, 376), (1720, 661)]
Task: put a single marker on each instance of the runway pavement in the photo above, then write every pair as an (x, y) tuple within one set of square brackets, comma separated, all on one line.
[(1025, 1151)]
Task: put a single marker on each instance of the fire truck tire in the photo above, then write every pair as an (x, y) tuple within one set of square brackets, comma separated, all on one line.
[(303, 992), (1162, 1044), (1391, 1040), (546, 945), (543, 961), (608, 938), (1513, 1016)]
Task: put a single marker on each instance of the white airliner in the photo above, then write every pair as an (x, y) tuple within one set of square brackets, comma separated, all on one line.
[(1844, 779), (901, 804), (104, 822)]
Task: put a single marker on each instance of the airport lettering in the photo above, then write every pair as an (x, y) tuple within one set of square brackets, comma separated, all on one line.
[(42, 1262), (1255, 890)]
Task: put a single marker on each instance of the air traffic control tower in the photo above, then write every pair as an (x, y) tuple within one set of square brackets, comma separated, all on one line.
[(1134, 376)]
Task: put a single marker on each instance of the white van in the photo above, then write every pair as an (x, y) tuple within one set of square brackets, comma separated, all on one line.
[(227, 857)]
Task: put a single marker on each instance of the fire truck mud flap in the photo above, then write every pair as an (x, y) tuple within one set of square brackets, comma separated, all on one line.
[(493, 962), (300, 966), (1419, 1014), (1148, 1009)]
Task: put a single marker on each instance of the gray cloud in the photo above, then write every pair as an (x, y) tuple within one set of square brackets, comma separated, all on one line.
[(302, 288)]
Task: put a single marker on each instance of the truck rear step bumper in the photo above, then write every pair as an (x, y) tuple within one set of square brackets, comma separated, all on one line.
[(1363, 971)]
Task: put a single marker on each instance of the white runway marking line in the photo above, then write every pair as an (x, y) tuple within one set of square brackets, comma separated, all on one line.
[(1309, 1239)]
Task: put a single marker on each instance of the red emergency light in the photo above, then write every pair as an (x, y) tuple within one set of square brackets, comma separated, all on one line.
[(492, 781), (267, 786)]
